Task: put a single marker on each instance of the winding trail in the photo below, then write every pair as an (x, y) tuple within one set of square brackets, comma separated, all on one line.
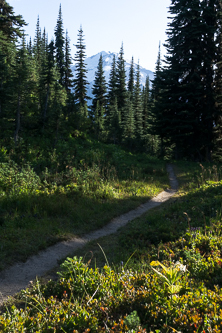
[(18, 276)]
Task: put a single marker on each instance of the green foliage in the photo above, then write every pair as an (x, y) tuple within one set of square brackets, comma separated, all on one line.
[(184, 105), (15, 180), (86, 299), (170, 275), (180, 291), (59, 193), (132, 321)]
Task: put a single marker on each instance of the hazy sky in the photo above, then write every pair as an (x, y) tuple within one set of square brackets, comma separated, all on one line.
[(139, 24)]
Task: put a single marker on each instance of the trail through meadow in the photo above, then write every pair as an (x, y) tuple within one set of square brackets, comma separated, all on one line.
[(19, 275)]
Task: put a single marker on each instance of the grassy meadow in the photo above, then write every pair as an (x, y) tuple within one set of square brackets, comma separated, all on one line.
[(48, 195), (162, 273)]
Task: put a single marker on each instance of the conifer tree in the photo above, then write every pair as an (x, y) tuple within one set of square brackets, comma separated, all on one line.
[(186, 105), (99, 120), (113, 123), (10, 24), (112, 84), (129, 128), (37, 44), (29, 47), (99, 87), (47, 82), (80, 80), (138, 106), (156, 83), (121, 91), (146, 102), (68, 76), (131, 80), (21, 85), (68, 81), (59, 46), (156, 117), (11, 30)]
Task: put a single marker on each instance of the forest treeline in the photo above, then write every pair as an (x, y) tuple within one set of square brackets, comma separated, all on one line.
[(179, 115)]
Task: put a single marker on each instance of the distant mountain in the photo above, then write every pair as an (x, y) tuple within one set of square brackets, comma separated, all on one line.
[(92, 63)]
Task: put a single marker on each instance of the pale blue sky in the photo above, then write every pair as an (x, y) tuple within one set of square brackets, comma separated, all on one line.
[(139, 24)]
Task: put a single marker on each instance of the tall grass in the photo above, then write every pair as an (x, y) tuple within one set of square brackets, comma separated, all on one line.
[(47, 195)]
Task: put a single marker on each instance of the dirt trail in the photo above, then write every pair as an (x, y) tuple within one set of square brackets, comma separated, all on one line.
[(18, 276)]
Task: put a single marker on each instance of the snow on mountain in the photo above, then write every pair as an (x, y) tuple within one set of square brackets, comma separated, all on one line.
[(92, 64)]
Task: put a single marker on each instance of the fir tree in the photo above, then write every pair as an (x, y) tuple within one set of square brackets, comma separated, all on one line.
[(29, 47), (80, 81), (11, 30), (131, 80), (186, 104), (99, 120), (129, 128), (112, 84), (138, 106), (146, 104), (99, 87), (47, 82), (121, 91), (156, 83), (21, 85), (37, 44), (10, 24), (68, 78), (59, 46), (113, 123)]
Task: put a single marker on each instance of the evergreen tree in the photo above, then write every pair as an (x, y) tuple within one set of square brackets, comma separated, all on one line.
[(186, 104), (80, 81), (10, 24), (99, 87), (156, 83), (59, 46), (11, 30), (37, 44), (99, 120), (158, 89), (146, 102), (121, 91), (21, 85), (68, 78), (112, 84), (138, 106), (47, 82), (29, 47), (131, 80), (113, 122), (129, 125)]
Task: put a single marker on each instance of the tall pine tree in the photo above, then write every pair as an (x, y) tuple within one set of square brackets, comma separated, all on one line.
[(59, 47), (80, 80), (138, 111), (121, 91), (99, 87), (186, 105), (131, 80)]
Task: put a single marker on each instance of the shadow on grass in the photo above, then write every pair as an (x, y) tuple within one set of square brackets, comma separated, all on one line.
[(145, 237), (30, 223)]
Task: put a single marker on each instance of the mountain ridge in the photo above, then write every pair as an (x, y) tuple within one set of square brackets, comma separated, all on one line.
[(92, 64)]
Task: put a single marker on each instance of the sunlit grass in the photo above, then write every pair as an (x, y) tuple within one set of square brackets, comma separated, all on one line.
[(47, 196)]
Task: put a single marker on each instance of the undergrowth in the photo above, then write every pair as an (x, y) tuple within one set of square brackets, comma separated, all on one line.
[(162, 274), (50, 194)]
